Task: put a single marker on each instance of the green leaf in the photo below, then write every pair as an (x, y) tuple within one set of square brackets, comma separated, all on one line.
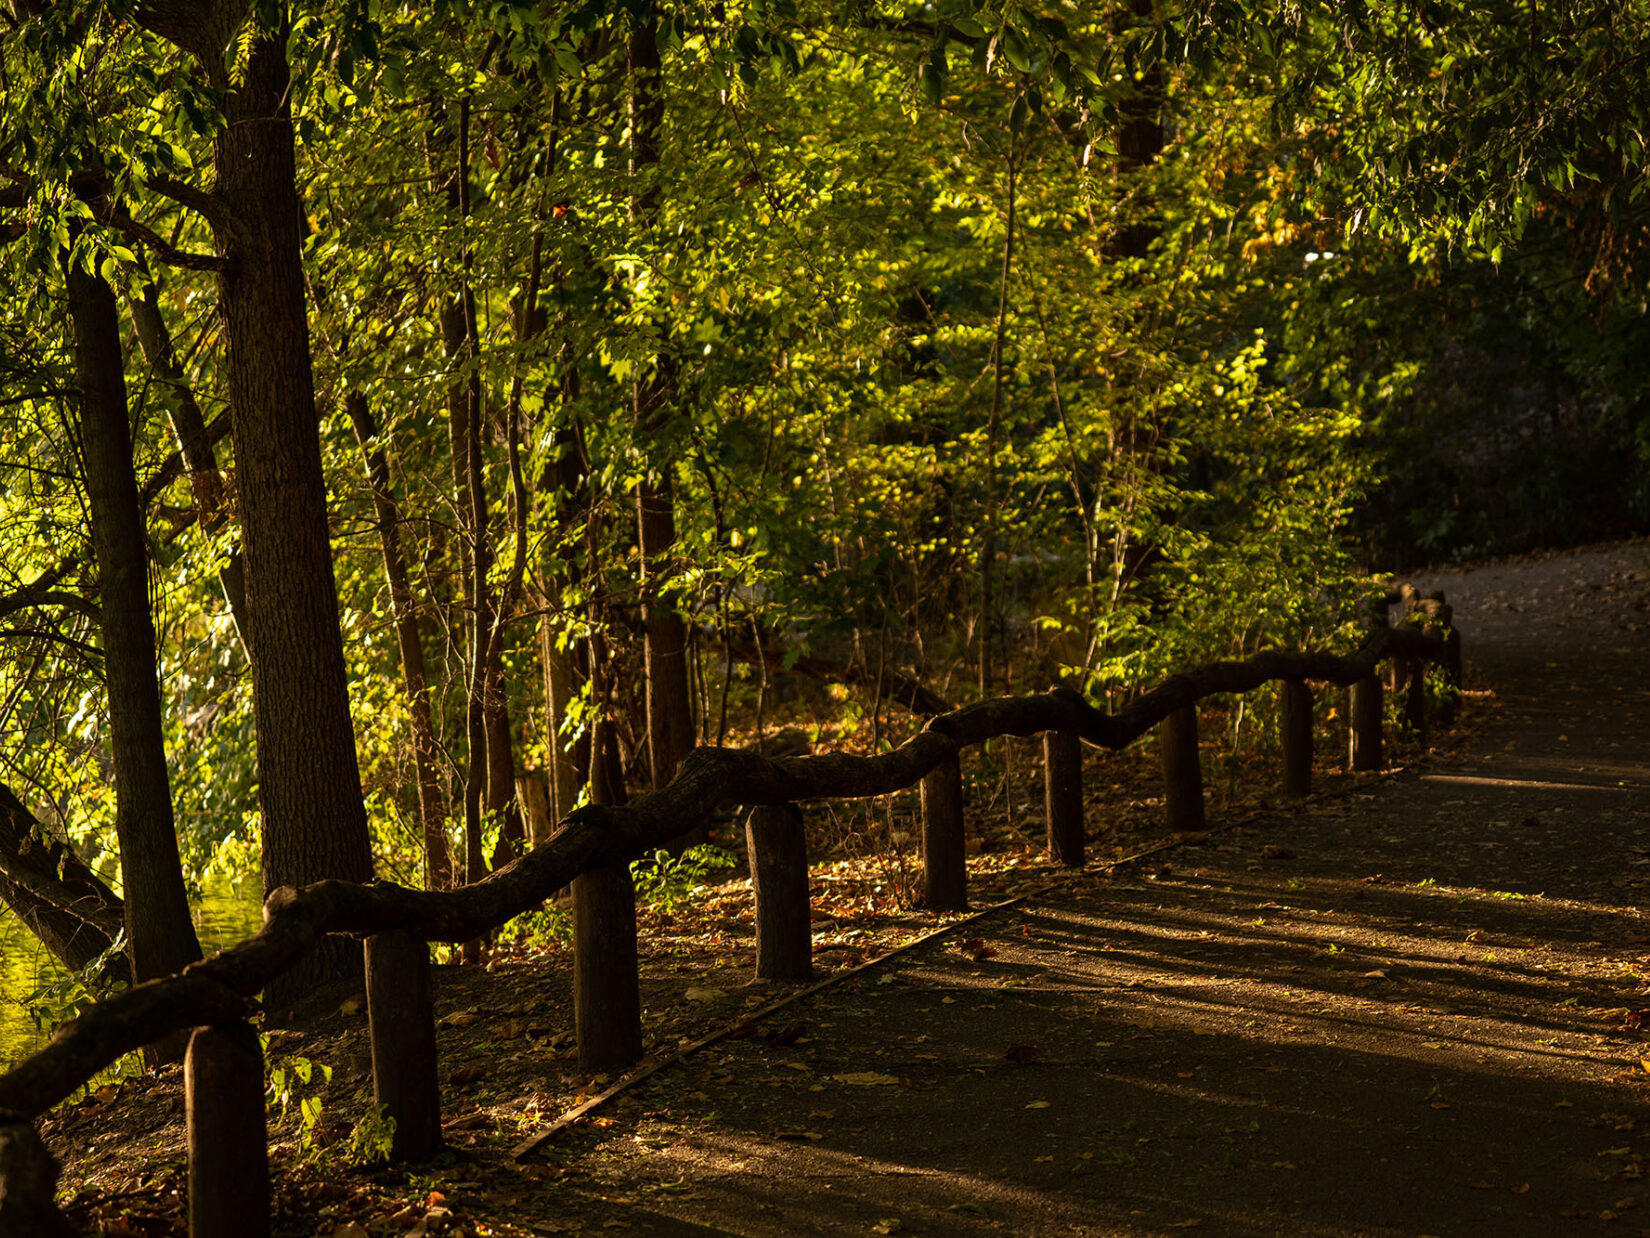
[(1014, 47)]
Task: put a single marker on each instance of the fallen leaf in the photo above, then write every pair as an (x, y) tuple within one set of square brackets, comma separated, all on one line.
[(697, 993), (1039, 1104), (460, 1018), (891, 1225), (865, 1079), (976, 949)]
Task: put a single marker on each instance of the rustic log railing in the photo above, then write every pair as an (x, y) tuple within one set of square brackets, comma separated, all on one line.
[(590, 850)]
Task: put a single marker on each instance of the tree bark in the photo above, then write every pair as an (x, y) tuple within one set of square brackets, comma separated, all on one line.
[(195, 444), (62, 902), (461, 424), (670, 733), (28, 1184), (988, 540), (562, 477), (309, 784), (159, 932), (438, 859)]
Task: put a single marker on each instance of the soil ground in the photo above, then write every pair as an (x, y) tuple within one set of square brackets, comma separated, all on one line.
[(1410, 1006)]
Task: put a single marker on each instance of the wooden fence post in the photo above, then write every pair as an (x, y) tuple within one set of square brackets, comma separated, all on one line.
[(1182, 772), (607, 1006), (28, 1183), (401, 1016), (944, 864), (1364, 708), (1452, 670), (779, 879), (1415, 694), (1063, 796), (1296, 726), (223, 1086)]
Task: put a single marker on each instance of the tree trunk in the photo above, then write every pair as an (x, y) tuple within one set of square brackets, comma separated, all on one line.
[(562, 477), (309, 784), (62, 902), (461, 417), (194, 444), (669, 695), (160, 934), (432, 810)]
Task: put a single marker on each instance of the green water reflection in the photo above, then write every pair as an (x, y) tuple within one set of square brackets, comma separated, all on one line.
[(227, 912)]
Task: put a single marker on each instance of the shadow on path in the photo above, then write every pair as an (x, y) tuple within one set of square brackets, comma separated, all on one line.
[(1420, 1016)]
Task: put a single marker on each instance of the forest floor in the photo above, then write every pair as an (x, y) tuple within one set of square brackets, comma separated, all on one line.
[(1416, 1004)]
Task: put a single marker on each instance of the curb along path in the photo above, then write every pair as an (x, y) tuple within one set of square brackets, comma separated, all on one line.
[(1411, 1011)]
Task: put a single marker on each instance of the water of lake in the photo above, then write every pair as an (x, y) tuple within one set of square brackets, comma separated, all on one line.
[(227, 912)]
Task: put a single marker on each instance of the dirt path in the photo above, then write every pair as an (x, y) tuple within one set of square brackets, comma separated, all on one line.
[(1413, 1010)]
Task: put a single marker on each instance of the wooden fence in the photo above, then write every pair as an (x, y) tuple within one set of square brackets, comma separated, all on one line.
[(591, 850)]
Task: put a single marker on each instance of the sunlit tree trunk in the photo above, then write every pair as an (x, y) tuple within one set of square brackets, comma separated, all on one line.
[(194, 442), (160, 934), (669, 697), (432, 810), (309, 784)]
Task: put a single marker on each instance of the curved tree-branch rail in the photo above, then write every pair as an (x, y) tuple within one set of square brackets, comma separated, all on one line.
[(598, 840)]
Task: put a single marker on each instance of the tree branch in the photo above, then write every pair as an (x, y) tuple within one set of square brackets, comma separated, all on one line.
[(196, 199), (174, 466), (41, 593), (901, 689), (163, 249)]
